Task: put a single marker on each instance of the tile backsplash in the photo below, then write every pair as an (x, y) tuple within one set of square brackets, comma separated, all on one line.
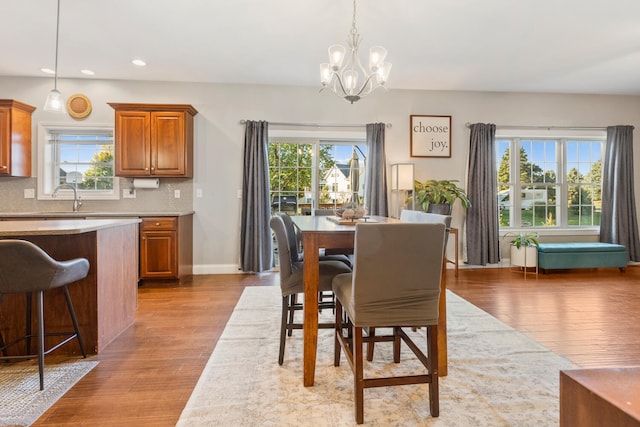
[(162, 199)]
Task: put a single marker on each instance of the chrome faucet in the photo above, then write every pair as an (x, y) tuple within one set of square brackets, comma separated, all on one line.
[(76, 199)]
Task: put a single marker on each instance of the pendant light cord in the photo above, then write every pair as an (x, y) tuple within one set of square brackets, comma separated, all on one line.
[(55, 76)]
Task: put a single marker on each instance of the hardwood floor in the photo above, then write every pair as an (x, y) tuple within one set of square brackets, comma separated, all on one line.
[(146, 376)]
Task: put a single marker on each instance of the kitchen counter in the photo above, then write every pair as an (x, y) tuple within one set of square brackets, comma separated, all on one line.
[(89, 214), (105, 301), (58, 227)]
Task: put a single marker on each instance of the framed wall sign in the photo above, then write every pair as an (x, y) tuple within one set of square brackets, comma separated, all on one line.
[(430, 136)]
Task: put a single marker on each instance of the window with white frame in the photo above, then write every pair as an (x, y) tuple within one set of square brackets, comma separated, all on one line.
[(81, 157), (308, 173), (549, 182)]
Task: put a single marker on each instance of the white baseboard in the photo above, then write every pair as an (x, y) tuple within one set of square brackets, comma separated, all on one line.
[(217, 269)]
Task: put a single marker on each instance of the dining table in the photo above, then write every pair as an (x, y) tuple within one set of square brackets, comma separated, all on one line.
[(329, 232)]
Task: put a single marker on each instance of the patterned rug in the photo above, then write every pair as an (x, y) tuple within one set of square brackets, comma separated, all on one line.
[(497, 376), (22, 402)]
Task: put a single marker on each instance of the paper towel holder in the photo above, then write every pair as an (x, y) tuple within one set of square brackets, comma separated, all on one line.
[(143, 183)]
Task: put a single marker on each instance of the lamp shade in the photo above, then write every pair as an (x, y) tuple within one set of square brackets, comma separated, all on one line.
[(54, 102), (336, 55), (402, 176), (377, 54)]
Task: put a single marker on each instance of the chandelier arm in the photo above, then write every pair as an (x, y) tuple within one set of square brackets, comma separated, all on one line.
[(373, 87), (344, 92)]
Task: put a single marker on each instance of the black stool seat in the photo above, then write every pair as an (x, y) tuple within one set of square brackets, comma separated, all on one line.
[(25, 268)]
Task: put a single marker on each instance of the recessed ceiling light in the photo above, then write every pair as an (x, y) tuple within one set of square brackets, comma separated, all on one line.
[(87, 72), (47, 70), (138, 62)]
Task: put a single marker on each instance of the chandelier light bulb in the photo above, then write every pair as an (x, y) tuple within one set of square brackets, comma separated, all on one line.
[(342, 72), (325, 73), (382, 74), (377, 54), (350, 78), (336, 56)]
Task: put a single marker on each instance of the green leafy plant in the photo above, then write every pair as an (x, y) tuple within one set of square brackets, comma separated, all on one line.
[(439, 192), (524, 239)]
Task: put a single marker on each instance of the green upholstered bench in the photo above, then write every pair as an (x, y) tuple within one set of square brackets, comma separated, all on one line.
[(563, 255)]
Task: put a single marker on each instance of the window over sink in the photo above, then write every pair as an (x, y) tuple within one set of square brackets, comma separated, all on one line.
[(81, 157)]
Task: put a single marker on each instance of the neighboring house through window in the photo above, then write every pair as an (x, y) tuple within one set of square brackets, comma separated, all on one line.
[(315, 173), (549, 182), (78, 156)]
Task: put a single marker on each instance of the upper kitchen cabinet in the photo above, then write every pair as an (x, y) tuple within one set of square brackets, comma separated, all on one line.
[(15, 138), (154, 140)]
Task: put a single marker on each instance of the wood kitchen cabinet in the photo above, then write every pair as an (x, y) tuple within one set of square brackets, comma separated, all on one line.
[(166, 247), (15, 138), (154, 140)]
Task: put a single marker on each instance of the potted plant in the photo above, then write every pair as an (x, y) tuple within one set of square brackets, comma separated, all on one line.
[(438, 196), (524, 249)]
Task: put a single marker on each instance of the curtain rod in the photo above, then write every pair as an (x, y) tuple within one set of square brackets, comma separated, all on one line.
[(531, 127), (317, 125)]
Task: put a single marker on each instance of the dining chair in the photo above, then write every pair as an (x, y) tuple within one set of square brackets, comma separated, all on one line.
[(26, 268), (395, 284), (417, 216), (292, 283), (294, 239)]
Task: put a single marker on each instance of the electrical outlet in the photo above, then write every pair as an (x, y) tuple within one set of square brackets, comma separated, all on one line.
[(239, 194), (29, 193), (129, 193), (199, 193), (176, 194)]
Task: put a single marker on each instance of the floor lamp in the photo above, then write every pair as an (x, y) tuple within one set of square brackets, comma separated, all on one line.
[(402, 185)]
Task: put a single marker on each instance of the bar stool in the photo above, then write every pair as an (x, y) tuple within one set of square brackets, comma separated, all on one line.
[(25, 268)]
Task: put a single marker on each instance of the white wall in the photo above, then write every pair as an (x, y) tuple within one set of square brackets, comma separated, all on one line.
[(219, 134)]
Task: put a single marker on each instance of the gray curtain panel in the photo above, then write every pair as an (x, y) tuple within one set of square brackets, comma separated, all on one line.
[(375, 188), (255, 234), (483, 246), (618, 221)]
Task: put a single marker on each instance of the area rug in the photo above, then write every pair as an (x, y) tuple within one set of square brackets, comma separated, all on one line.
[(22, 402), (497, 376)]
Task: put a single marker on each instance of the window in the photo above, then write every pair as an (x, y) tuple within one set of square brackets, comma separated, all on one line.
[(79, 156), (549, 182), (307, 174)]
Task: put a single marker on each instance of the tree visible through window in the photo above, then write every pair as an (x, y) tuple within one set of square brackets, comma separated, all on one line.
[(79, 156), (553, 182), (85, 161), (312, 174)]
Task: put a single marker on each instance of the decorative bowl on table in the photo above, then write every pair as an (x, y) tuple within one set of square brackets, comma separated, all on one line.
[(351, 211)]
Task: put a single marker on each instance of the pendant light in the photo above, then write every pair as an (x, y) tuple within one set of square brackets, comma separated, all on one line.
[(55, 101)]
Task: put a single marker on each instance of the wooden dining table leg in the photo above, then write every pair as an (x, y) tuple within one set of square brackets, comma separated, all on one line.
[(311, 276), (442, 323)]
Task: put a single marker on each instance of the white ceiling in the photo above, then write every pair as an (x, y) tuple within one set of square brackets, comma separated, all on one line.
[(566, 46)]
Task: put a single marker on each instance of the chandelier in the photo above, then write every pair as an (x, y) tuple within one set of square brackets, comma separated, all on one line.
[(342, 72)]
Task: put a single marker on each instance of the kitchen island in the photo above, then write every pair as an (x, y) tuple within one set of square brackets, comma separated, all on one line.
[(105, 301)]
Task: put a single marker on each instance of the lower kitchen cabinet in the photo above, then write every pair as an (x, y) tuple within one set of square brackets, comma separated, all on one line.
[(166, 247)]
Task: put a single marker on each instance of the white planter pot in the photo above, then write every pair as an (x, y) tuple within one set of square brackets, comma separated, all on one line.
[(526, 256)]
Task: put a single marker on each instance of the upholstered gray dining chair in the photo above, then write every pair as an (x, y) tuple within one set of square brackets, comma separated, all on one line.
[(291, 282), (295, 243), (395, 284), (26, 268)]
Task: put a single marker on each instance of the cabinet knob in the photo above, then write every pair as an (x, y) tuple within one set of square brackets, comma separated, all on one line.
[(4, 167), (157, 224)]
